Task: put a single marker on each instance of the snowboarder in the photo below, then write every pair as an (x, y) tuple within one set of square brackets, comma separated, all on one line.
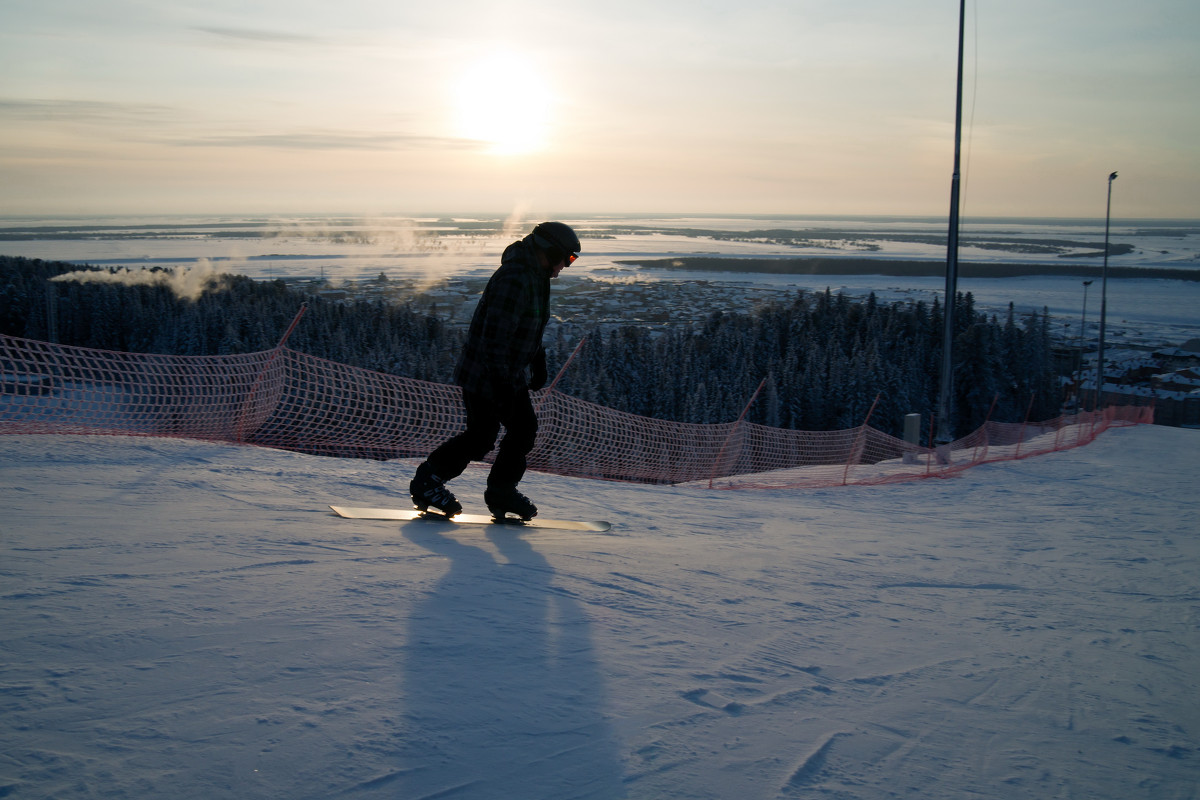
[(503, 361)]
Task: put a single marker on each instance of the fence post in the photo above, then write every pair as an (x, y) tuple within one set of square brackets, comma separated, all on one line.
[(248, 404), (987, 435), (1024, 423), (912, 435), (736, 426), (295, 321), (561, 371), (929, 459), (549, 422), (856, 451)]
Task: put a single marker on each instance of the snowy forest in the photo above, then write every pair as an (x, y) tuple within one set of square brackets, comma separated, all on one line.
[(826, 359)]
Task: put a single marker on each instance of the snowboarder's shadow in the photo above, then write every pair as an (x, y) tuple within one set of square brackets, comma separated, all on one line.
[(502, 689)]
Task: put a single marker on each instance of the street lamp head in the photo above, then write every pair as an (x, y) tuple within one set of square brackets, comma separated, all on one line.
[(1088, 283), (1112, 177)]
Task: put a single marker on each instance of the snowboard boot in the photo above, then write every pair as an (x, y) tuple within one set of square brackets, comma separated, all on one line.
[(428, 491), (503, 500)]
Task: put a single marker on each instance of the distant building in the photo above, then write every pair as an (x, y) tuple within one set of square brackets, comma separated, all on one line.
[(1177, 398), (1180, 357)]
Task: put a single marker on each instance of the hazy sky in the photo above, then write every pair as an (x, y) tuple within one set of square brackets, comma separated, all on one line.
[(755, 106)]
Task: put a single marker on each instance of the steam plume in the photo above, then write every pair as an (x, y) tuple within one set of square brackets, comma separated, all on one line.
[(188, 283)]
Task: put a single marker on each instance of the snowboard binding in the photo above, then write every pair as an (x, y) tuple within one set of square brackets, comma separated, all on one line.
[(428, 491), (506, 500)]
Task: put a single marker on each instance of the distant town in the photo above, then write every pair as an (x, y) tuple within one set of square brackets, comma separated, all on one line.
[(577, 301)]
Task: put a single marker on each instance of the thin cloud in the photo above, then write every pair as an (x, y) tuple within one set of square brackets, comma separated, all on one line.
[(94, 111), (259, 36), (328, 140)]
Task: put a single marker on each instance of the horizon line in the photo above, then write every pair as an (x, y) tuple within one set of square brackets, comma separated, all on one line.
[(593, 215)]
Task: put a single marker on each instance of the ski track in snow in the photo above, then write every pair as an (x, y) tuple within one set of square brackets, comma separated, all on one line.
[(187, 619)]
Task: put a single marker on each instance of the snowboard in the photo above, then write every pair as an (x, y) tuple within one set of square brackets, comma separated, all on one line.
[(401, 514)]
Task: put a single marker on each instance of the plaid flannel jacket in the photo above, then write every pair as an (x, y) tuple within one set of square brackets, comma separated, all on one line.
[(506, 331)]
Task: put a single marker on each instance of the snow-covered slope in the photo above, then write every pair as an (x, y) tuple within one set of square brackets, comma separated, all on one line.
[(188, 620)]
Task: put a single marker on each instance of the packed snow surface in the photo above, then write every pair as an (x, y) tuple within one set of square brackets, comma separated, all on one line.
[(188, 620)]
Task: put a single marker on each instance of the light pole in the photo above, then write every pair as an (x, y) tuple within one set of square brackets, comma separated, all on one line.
[(945, 423), (1082, 328), (1103, 297)]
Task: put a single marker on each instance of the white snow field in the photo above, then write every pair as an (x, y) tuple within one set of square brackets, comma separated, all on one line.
[(188, 620)]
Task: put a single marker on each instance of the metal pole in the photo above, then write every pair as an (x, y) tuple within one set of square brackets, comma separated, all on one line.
[(1103, 298), (945, 426)]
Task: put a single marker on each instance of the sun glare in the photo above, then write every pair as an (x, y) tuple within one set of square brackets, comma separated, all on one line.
[(504, 102)]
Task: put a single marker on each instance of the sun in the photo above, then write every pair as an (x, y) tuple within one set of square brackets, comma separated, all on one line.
[(503, 101)]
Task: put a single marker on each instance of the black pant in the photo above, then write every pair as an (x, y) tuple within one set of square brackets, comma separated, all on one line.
[(484, 418)]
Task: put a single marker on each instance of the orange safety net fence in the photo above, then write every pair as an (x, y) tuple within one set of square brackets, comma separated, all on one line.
[(285, 399)]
